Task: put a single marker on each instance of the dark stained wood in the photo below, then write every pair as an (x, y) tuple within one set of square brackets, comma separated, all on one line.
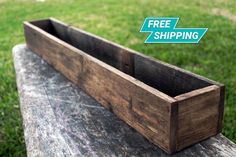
[(151, 96), (197, 115), (61, 120), (173, 126), (168, 80), (98, 48)]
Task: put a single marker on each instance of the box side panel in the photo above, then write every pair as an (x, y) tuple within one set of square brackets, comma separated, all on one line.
[(198, 115), (148, 113), (167, 79), (162, 76), (96, 47)]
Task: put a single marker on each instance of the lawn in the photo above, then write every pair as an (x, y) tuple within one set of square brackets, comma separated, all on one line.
[(119, 21)]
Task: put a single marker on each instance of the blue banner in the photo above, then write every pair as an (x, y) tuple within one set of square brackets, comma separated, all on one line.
[(163, 30)]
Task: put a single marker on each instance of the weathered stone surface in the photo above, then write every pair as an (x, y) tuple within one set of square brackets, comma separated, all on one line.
[(61, 120)]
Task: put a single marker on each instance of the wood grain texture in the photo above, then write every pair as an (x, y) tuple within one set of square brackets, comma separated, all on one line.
[(61, 120), (198, 113), (151, 96)]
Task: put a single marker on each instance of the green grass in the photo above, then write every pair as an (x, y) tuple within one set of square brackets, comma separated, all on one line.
[(119, 21)]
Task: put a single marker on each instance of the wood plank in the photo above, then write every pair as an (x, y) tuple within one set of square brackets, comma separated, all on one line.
[(173, 126), (98, 48), (198, 113), (167, 79)]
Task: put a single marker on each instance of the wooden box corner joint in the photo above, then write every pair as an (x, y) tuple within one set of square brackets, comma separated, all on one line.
[(171, 107)]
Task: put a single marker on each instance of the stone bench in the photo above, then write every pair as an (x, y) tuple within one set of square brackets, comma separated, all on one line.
[(59, 119)]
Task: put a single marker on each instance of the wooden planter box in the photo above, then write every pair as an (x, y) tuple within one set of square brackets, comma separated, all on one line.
[(171, 107)]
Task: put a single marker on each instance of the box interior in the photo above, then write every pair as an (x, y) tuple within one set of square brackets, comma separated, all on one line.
[(161, 76)]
